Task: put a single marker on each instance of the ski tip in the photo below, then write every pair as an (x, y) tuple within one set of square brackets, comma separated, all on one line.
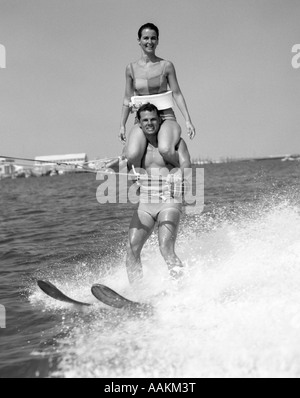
[(44, 284), (52, 291), (111, 298)]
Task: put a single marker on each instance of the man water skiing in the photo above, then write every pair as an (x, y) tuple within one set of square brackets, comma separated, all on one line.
[(160, 201)]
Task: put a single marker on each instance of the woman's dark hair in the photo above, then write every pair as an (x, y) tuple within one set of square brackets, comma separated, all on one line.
[(147, 108), (148, 26)]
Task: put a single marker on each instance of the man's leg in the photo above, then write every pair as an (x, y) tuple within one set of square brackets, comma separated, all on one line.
[(168, 225), (141, 228)]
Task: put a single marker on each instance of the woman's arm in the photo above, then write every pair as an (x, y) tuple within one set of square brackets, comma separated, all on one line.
[(179, 98), (129, 92)]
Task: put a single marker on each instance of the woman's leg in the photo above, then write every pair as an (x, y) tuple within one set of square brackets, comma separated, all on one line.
[(168, 138), (135, 147)]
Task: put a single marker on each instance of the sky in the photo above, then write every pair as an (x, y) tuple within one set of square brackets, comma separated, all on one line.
[(63, 86)]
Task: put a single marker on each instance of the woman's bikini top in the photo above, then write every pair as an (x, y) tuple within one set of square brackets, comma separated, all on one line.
[(150, 82)]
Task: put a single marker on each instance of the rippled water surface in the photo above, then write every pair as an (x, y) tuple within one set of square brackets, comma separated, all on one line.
[(235, 314)]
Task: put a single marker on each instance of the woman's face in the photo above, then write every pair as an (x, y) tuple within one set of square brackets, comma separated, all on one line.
[(149, 41)]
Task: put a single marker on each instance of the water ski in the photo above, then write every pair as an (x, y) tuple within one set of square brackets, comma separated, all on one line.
[(52, 291), (113, 299)]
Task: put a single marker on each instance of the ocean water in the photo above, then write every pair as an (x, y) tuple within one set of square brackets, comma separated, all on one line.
[(236, 313)]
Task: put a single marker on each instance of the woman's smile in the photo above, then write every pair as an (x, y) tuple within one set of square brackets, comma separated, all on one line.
[(149, 40)]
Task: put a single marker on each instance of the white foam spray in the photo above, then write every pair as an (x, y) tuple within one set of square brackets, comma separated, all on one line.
[(235, 314)]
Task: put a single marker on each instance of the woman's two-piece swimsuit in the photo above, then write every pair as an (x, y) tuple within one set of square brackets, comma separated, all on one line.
[(151, 83), (155, 196)]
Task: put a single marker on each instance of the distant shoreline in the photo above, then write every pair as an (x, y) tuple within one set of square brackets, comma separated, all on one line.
[(283, 158)]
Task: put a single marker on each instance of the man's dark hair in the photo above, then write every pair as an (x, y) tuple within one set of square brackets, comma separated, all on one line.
[(148, 26), (147, 108)]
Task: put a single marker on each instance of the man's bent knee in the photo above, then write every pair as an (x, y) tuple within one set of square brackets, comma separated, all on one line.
[(167, 251), (134, 247)]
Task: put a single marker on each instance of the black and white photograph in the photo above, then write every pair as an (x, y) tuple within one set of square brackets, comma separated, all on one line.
[(149, 191)]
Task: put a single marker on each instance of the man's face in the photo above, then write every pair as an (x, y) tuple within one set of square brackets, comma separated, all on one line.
[(150, 122)]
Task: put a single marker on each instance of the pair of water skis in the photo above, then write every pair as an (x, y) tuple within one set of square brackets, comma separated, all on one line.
[(102, 293)]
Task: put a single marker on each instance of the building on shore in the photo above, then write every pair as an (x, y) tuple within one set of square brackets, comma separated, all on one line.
[(59, 163), (7, 168)]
